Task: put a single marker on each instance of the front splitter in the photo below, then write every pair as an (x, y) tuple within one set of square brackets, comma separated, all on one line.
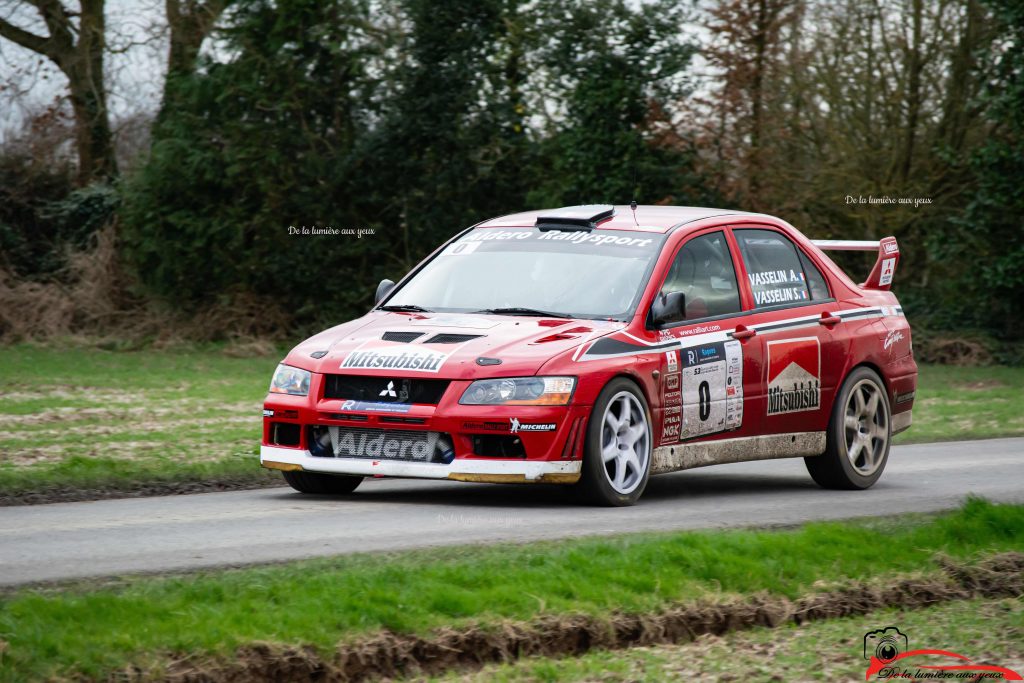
[(478, 470)]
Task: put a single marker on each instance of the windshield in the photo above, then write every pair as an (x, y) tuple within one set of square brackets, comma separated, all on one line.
[(578, 274)]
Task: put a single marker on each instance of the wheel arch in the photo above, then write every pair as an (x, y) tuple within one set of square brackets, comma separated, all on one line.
[(870, 365)]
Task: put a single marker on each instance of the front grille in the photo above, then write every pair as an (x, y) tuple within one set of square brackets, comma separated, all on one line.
[(388, 444), (404, 337), (284, 434), (402, 420), (376, 389), (451, 338), (498, 446)]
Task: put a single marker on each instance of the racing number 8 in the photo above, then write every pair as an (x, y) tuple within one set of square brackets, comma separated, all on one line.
[(704, 395)]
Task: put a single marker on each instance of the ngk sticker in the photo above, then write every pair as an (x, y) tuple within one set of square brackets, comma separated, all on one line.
[(794, 375)]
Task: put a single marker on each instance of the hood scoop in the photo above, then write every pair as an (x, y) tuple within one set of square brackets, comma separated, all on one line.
[(565, 334), (404, 337), (445, 338)]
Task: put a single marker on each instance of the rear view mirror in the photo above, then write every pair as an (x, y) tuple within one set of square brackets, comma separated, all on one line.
[(383, 289), (668, 308)]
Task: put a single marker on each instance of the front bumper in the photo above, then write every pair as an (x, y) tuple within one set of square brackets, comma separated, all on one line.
[(460, 469), (549, 438)]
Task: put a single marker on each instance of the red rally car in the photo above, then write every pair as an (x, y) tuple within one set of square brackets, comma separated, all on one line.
[(598, 345)]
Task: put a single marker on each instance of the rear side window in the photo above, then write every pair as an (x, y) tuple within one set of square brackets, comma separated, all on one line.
[(778, 272), (815, 280), (703, 271)]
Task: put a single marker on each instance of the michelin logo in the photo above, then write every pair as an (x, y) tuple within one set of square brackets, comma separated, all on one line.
[(398, 358), (516, 426)]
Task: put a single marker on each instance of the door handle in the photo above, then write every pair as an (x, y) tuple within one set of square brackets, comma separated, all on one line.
[(743, 332), (829, 319)]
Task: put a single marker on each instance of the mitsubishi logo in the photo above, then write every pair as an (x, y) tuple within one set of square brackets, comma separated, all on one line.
[(389, 391)]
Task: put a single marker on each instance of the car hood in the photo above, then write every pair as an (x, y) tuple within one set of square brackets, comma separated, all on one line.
[(444, 345)]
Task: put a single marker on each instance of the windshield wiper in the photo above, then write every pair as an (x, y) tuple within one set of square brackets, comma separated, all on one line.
[(405, 308), (516, 310)]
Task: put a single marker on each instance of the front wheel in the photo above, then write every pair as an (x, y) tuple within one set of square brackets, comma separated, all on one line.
[(859, 432), (617, 457), (313, 482)]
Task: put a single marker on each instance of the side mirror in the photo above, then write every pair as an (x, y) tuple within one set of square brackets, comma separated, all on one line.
[(383, 289), (668, 308)]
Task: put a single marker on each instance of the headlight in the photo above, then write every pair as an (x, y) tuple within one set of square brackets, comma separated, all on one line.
[(519, 391), (289, 380)]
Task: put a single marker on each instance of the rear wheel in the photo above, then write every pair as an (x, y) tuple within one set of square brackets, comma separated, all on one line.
[(313, 482), (859, 432), (617, 458)]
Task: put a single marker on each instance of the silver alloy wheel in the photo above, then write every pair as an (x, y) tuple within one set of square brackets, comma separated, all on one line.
[(866, 427), (625, 442)]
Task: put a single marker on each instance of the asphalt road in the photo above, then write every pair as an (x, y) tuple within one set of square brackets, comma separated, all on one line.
[(114, 537)]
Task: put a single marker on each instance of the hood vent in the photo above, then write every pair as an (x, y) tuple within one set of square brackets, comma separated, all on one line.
[(404, 337), (451, 338), (574, 333)]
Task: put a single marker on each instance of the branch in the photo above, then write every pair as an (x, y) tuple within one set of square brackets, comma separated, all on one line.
[(59, 23), (27, 39)]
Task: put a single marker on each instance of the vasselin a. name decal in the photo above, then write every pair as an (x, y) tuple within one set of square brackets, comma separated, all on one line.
[(400, 357), (794, 375)]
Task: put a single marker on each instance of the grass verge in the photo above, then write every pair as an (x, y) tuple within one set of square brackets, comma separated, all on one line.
[(956, 403), (95, 630), (83, 423), (986, 631)]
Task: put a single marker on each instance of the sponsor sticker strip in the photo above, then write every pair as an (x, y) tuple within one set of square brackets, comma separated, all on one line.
[(612, 347)]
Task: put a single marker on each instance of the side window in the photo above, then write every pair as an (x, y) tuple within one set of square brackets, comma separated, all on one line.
[(815, 280), (702, 270), (779, 274)]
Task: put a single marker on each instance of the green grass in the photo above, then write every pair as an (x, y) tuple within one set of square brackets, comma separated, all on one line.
[(986, 631), (84, 418), (967, 403), (93, 630), (79, 418)]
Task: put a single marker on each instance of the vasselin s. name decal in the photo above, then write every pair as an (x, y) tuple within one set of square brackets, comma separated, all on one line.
[(399, 357), (794, 375)]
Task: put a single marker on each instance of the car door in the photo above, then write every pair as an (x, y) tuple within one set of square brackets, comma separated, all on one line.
[(710, 377), (803, 355)]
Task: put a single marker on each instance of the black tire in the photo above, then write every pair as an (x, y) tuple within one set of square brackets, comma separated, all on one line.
[(844, 465), (313, 482), (595, 485)]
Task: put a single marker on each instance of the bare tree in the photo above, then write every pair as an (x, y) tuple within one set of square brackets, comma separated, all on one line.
[(76, 43)]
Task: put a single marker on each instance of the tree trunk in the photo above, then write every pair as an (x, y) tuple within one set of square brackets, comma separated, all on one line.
[(190, 22), (82, 62), (94, 139)]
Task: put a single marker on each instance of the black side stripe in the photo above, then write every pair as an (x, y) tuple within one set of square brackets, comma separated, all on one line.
[(606, 346)]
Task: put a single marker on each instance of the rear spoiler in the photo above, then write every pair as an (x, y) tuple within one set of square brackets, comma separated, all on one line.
[(885, 265)]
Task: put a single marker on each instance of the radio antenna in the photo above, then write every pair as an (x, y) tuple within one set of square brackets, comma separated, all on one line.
[(632, 203)]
